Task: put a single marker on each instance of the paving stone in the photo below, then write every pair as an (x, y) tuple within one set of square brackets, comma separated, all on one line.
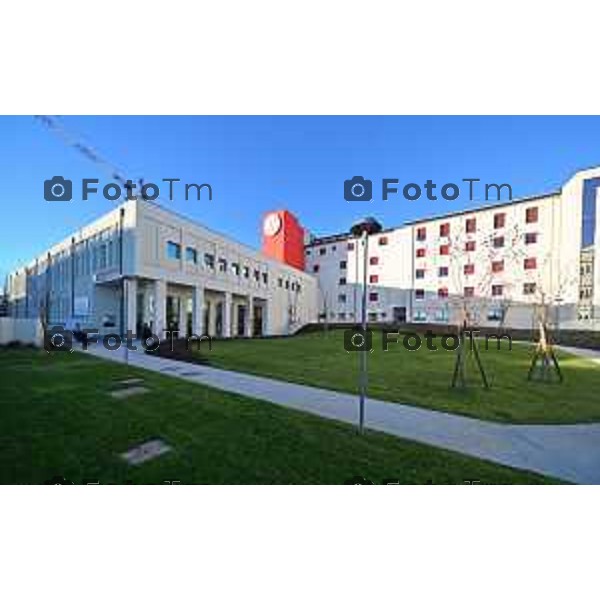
[(145, 452), (133, 381), (129, 391)]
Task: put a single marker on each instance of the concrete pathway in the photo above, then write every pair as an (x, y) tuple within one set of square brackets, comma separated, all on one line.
[(568, 452), (593, 355)]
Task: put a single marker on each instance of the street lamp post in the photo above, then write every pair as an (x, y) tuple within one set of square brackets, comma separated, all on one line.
[(364, 229)]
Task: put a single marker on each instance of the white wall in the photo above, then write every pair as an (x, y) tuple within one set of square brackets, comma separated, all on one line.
[(26, 331)]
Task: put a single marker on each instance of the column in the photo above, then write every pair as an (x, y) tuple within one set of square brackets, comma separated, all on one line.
[(182, 316), (212, 318), (250, 316), (198, 311), (130, 288), (160, 308), (227, 308)]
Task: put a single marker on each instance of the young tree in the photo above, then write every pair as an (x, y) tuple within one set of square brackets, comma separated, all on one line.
[(478, 264)]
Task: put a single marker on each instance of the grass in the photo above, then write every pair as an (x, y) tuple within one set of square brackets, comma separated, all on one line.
[(422, 378), (57, 418)]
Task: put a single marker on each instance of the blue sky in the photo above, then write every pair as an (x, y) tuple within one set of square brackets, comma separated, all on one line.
[(255, 164)]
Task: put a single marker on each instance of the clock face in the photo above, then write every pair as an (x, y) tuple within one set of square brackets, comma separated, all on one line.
[(272, 224)]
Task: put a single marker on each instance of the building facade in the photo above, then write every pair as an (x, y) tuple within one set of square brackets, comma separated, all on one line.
[(141, 266), (494, 265)]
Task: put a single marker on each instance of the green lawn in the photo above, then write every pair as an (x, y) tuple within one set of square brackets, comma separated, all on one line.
[(422, 378), (58, 419)]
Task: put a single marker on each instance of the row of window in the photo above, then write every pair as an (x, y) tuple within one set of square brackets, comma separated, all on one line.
[(442, 315), (469, 269), (191, 255), (373, 297), (382, 241), (443, 271), (469, 291), (470, 245), (531, 216), (444, 249)]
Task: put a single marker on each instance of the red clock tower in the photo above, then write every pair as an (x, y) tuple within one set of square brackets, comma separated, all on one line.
[(283, 238)]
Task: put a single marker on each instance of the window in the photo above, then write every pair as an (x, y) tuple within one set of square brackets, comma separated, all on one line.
[(102, 258), (531, 238), (280, 282), (223, 265), (469, 292), (256, 275), (471, 225), (209, 260), (442, 315), (235, 268), (444, 229), (374, 260), (420, 294), (342, 281), (322, 251), (495, 314), (373, 278), (265, 278), (443, 292), (191, 255), (342, 316), (499, 242), (246, 272), (421, 234), (531, 215), (373, 297), (499, 220), (333, 248), (307, 252), (287, 284), (497, 266), (293, 285), (350, 246), (470, 246), (530, 263), (173, 251), (420, 273), (497, 290), (528, 289), (420, 252), (443, 272), (342, 298), (315, 268), (383, 241), (372, 316), (469, 269), (420, 315), (445, 250), (343, 264)]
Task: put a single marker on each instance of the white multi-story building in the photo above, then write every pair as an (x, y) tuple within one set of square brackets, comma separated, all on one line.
[(495, 263), (143, 266)]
